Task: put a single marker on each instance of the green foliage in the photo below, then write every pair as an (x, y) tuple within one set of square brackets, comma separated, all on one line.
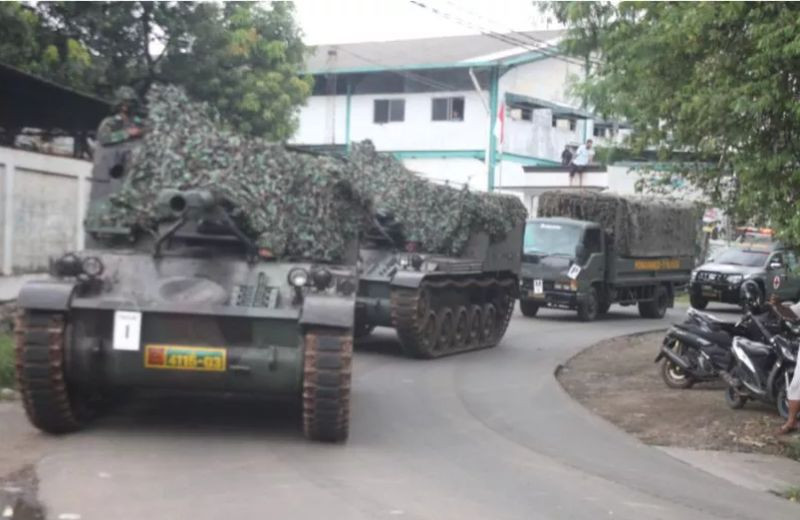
[(716, 80), (241, 57), (6, 361)]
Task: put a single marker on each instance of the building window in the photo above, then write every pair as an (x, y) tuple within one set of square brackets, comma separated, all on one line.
[(555, 122), (599, 131), (526, 114), (448, 109), (573, 124), (389, 110)]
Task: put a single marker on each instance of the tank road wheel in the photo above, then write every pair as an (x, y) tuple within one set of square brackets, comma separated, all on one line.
[(475, 318), (326, 384), (444, 332), (414, 321), (461, 328), (489, 324), (40, 345)]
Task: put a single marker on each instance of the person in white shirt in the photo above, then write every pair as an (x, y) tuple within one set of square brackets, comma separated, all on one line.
[(582, 158)]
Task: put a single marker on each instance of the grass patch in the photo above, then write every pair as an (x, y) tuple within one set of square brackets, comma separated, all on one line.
[(792, 494), (682, 298), (6, 360)]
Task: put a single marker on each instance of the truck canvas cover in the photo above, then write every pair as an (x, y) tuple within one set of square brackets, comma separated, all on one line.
[(297, 205), (640, 226)]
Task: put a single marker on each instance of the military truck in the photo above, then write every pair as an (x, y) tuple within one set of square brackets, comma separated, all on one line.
[(439, 304), (187, 301), (773, 266), (588, 250)]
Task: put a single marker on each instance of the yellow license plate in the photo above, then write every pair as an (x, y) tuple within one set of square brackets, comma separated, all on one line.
[(172, 357)]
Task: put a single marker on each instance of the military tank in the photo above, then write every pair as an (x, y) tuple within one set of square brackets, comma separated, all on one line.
[(441, 304), (187, 301)]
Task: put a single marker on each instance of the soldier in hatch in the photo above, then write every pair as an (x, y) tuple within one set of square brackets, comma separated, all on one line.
[(125, 124)]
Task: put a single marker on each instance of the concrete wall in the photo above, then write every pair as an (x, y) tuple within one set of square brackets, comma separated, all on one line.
[(42, 205), (417, 132)]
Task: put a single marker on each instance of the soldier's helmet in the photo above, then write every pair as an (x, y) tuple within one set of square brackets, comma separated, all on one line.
[(125, 95)]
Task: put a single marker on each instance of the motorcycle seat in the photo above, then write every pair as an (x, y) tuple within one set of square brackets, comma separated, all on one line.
[(717, 336), (708, 318), (754, 348)]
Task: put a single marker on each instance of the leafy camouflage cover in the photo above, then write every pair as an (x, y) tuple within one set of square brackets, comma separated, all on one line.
[(640, 226), (294, 204)]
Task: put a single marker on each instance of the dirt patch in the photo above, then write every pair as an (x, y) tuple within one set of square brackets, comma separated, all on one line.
[(618, 380)]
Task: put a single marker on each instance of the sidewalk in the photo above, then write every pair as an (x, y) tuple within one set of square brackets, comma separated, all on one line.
[(754, 471), (10, 285)]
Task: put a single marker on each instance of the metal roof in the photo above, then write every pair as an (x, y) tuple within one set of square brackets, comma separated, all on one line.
[(518, 100), (31, 101), (426, 53)]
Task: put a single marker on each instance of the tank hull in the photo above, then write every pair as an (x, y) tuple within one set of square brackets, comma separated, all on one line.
[(193, 324)]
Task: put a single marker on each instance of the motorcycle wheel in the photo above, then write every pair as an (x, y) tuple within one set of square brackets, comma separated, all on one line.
[(672, 374), (783, 403), (734, 399)]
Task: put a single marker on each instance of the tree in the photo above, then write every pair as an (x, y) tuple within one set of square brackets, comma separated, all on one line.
[(242, 58), (716, 82), (27, 44)]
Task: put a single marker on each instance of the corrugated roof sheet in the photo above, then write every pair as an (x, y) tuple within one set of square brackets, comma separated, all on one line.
[(423, 51)]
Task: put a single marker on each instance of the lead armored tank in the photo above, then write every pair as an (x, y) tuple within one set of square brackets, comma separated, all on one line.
[(192, 282)]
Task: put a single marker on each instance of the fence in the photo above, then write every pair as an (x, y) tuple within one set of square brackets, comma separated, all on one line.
[(43, 201)]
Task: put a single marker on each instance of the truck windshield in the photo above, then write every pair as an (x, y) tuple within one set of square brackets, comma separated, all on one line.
[(548, 238), (734, 256)]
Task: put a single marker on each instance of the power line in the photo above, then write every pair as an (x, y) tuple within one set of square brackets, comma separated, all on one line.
[(541, 46)]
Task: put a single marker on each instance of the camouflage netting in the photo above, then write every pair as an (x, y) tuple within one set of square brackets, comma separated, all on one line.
[(641, 227), (295, 204)]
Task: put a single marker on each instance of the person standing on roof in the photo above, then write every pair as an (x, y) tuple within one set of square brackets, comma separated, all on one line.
[(582, 158), (125, 124), (566, 156)]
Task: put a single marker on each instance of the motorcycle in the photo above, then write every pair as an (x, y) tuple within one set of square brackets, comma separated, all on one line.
[(789, 354), (760, 372), (699, 349)]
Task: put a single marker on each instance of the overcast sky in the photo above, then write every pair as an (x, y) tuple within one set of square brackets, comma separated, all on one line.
[(344, 21)]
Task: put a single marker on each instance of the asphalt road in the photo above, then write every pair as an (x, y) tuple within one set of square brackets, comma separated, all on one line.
[(485, 435)]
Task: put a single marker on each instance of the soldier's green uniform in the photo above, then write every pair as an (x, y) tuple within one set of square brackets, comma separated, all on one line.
[(115, 129)]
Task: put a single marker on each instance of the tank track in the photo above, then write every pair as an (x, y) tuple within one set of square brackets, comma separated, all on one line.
[(439, 318), (40, 356), (327, 370)]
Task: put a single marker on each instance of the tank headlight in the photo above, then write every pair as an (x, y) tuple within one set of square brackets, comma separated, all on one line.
[(298, 277), (92, 266), (68, 265), (321, 277), (403, 261)]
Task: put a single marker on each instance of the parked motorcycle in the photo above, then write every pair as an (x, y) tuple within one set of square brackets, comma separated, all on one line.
[(759, 373), (790, 362), (699, 349)]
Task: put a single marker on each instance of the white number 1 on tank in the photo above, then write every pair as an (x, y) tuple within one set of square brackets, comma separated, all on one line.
[(127, 330)]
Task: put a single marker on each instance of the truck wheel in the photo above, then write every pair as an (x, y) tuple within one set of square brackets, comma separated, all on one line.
[(697, 301), (657, 307), (326, 384), (528, 308), (589, 308), (49, 403)]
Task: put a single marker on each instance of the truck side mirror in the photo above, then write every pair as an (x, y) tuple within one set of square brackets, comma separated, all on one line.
[(580, 253)]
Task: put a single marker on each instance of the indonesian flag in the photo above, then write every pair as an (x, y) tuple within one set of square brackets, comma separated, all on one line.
[(499, 125)]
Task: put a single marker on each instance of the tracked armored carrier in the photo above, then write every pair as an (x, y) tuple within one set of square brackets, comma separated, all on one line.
[(438, 304), (192, 304)]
